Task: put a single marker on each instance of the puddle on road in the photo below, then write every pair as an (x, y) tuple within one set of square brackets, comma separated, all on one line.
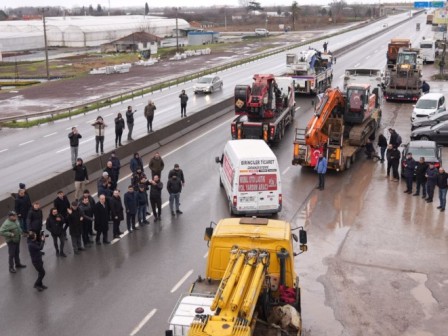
[(423, 295)]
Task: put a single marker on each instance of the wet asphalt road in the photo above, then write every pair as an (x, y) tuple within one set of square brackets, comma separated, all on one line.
[(375, 264), (48, 144)]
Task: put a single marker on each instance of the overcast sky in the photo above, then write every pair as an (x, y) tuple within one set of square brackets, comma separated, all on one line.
[(165, 3)]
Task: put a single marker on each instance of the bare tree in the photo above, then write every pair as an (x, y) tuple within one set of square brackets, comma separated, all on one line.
[(243, 3), (294, 13), (336, 8), (358, 10)]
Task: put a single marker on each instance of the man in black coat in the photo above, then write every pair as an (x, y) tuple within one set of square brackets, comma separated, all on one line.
[(116, 212), (35, 247), (420, 178), (102, 216), (177, 171), (130, 203), (75, 223), (87, 215), (62, 204), (22, 206), (409, 170), (155, 197), (394, 156), (35, 219), (81, 177), (74, 137)]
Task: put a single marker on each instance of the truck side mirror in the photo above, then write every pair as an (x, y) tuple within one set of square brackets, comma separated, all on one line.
[(208, 234), (303, 237), (217, 159)]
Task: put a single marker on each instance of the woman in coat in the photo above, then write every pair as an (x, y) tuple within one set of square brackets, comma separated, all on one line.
[(119, 127)]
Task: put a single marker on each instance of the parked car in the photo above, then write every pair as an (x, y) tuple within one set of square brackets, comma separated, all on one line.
[(429, 120), (437, 133), (429, 105), (422, 148), (208, 84), (261, 32)]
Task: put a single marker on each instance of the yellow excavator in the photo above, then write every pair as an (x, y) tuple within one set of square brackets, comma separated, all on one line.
[(250, 287)]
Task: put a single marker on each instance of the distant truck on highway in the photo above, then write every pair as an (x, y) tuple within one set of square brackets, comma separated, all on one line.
[(265, 109), (429, 19), (311, 70)]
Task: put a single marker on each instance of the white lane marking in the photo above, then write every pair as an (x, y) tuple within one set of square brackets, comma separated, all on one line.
[(24, 143), (87, 140), (143, 322), (90, 121), (3, 245), (368, 57), (285, 171), (341, 76), (62, 150), (297, 108), (70, 128), (49, 135), (108, 114), (357, 65), (139, 104), (181, 281), (206, 255), (121, 236), (3, 150)]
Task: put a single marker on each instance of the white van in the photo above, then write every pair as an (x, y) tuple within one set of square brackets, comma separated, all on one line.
[(428, 51), (261, 32), (250, 176)]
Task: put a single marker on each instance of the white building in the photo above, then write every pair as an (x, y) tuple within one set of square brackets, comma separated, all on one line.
[(81, 31)]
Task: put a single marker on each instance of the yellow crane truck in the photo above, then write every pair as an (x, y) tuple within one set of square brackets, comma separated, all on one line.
[(250, 287)]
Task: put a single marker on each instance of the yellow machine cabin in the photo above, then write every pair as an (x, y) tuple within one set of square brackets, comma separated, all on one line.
[(250, 286)]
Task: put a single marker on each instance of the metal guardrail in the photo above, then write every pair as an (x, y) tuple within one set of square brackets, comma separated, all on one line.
[(141, 91)]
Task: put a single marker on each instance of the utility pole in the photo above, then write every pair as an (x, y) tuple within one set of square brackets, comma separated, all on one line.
[(43, 10), (108, 12), (177, 29)]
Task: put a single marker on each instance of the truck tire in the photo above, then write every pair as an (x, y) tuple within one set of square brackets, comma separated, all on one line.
[(220, 182), (231, 209), (348, 163)]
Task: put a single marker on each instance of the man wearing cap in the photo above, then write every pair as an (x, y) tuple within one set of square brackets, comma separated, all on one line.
[(177, 171), (409, 170), (11, 230)]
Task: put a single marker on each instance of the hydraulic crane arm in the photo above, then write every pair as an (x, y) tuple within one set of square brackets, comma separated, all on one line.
[(315, 135)]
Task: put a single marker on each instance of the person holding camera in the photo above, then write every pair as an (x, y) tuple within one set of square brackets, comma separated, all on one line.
[(12, 232), (35, 245), (99, 125), (74, 137), (130, 121), (35, 218), (56, 226)]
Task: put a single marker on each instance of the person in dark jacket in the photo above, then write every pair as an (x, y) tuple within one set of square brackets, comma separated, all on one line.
[(116, 165), (137, 177), (136, 162), (155, 197), (395, 162), (395, 138), (22, 206), (425, 87), (130, 204), (442, 183), (174, 187), (130, 121), (35, 247), (102, 216), (177, 171), (87, 215), (81, 177), (56, 226), (35, 219), (149, 115), (156, 165), (389, 160), (74, 137), (420, 178), (62, 204), (370, 151), (116, 212), (92, 202), (431, 181), (75, 223), (119, 128), (382, 144), (183, 104), (112, 174), (142, 204), (409, 170)]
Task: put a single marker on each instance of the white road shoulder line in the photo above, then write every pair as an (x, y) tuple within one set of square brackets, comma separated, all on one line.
[(181, 281), (206, 255), (3, 150), (49, 135), (25, 143), (143, 322), (63, 150), (285, 171), (368, 57), (70, 128), (357, 65)]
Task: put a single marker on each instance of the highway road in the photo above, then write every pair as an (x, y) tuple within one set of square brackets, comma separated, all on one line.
[(33, 155), (374, 265)]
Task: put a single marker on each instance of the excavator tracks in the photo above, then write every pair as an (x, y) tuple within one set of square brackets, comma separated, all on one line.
[(360, 133)]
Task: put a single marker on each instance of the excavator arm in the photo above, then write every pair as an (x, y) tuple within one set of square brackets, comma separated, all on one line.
[(235, 301), (315, 135)]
